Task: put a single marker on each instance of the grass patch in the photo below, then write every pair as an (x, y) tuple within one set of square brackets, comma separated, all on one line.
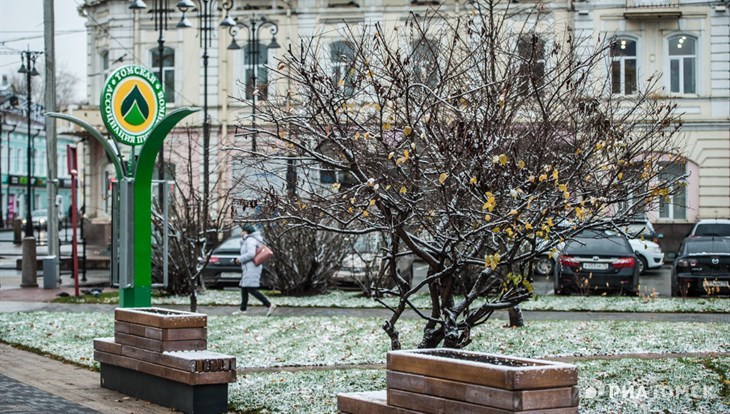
[(607, 386), (349, 300)]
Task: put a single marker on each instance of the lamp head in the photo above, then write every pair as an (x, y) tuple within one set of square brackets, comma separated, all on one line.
[(274, 44), (22, 68), (137, 5), (185, 5), (228, 22)]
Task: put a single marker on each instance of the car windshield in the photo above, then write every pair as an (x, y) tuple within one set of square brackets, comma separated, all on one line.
[(234, 243), (596, 245), (708, 246), (637, 231), (713, 229)]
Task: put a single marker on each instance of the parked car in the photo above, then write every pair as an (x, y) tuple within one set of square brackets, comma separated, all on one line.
[(222, 271), (645, 242), (361, 261), (597, 260), (702, 265), (40, 218), (711, 227)]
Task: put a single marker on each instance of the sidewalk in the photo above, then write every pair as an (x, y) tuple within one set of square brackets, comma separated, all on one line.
[(31, 383)]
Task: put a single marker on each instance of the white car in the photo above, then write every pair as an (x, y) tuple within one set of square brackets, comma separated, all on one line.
[(711, 227)]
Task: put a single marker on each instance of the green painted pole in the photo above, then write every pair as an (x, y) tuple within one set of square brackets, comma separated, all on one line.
[(140, 295)]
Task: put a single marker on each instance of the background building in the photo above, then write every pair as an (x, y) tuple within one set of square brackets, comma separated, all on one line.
[(686, 42)]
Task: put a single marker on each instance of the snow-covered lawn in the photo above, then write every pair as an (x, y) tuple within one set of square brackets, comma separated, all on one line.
[(349, 299), (260, 342), (684, 385), (343, 299)]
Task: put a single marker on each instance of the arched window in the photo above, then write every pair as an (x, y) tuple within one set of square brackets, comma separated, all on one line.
[(255, 60), (342, 56), (675, 206), (424, 58), (168, 70), (682, 64), (623, 66), (531, 51)]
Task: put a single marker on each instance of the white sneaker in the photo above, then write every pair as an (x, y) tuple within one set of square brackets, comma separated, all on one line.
[(271, 310), (240, 312)]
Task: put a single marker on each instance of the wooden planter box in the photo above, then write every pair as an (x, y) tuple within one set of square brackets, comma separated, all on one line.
[(160, 355), (441, 381)]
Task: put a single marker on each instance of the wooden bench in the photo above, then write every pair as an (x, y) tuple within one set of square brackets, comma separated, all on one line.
[(451, 381), (160, 355)]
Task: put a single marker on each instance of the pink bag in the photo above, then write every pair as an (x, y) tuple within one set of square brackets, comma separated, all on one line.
[(263, 254)]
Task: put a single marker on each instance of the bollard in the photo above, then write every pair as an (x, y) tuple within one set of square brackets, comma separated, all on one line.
[(29, 263), (17, 230), (50, 278)]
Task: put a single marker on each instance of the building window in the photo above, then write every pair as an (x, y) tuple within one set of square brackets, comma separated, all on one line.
[(168, 70), (258, 58), (531, 72), (104, 63), (682, 64), (623, 67), (343, 58), (424, 55), (674, 207)]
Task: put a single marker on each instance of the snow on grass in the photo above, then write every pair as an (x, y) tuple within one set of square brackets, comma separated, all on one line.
[(349, 299), (305, 392), (665, 385), (345, 299), (683, 385), (260, 342)]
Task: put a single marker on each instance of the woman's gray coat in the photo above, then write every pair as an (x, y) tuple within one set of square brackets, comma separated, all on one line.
[(251, 273)]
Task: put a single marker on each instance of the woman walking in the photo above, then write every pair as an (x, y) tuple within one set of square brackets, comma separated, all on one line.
[(251, 278)]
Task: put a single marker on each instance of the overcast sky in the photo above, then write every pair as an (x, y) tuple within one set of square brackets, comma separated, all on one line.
[(21, 26)]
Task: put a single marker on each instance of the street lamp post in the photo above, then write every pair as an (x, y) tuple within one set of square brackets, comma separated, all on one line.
[(253, 27), (161, 14), (205, 17), (28, 59)]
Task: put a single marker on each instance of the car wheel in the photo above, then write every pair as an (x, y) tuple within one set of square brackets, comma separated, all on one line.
[(642, 265), (544, 266), (675, 290)]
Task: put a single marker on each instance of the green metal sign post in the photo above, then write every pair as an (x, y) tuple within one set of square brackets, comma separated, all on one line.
[(133, 109)]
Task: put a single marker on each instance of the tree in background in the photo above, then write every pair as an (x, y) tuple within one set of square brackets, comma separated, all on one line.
[(191, 242), (475, 142)]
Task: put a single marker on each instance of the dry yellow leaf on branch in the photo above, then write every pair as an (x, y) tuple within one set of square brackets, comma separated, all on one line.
[(407, 131), (443, 177)]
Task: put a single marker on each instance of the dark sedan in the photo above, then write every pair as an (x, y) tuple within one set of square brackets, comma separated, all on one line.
[(702, 266), (597, 260), (222, 271)]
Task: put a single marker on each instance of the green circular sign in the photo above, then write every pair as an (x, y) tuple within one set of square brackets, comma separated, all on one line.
[(132, 103)]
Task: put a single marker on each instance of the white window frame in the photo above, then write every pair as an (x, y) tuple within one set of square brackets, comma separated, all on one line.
[(166, 71), (622, 62), (671, 204), (261, 67), (680, 59)]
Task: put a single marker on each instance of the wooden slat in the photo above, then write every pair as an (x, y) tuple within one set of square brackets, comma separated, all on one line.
[(189, 361), (107, 345), (482, 395), (542, 374), (435, 405), (190, 378), (160, 346), (372, 402), (161, 318)]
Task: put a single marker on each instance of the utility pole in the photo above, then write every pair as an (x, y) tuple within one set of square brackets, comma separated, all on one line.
[(50, 104)]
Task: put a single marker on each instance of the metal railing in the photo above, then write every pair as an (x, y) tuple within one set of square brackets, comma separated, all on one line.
[(646, 4)]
